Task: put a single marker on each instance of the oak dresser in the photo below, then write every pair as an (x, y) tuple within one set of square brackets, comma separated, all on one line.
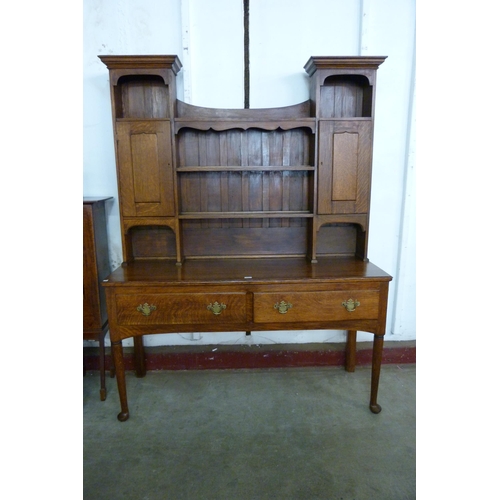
[(244, 219)]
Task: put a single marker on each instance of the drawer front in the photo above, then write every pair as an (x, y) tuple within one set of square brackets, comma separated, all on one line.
[(180, 308), (315, 306)]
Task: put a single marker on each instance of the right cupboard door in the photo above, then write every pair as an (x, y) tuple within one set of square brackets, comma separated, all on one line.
[(344, 170)]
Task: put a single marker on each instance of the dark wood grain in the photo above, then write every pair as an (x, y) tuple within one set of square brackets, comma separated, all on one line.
[(262, 270)]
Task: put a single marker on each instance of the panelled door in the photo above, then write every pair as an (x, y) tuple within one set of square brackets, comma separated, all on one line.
[(344, 169), (146, 168)]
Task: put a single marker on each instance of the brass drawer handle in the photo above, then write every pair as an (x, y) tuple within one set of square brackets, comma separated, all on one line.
[(146, 309), (350, 305), (216, 308), (282, 307)]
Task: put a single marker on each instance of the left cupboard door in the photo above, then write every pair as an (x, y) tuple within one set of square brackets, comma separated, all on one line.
[(146, 177)]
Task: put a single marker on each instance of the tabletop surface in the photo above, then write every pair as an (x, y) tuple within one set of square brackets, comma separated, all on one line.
[(268, 270)]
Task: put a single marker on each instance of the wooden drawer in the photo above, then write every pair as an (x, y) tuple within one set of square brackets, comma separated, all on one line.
[(288, 307), (180, 308)]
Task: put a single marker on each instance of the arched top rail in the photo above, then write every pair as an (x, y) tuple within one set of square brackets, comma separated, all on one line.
[(296, 111)]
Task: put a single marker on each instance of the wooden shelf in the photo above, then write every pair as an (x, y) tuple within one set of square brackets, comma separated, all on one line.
[(237, 168), (141, 119), (245, 215), (228, 124), (345, 118)]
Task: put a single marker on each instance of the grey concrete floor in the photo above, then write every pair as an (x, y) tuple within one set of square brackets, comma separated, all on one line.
[(289, 433)]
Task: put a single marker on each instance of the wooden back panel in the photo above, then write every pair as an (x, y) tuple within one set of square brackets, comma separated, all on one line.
[(141, 96)]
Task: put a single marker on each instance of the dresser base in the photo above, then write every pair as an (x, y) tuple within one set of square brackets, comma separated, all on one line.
[(154, 297)]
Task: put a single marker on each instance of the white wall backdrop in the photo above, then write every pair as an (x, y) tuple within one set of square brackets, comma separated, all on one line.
[(208, 38)]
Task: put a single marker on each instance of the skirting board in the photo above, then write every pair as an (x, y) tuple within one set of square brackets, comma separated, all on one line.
[(219, 357)]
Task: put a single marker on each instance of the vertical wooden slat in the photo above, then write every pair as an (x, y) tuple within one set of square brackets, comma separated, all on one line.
[(145, 100), (181, 151), (184, 193), (126, 178), (255, 192), (286, 180), (296, 145), (325, 168), (349, 100), (275, 178), (265, 177), (297, 148), (224, 176), (194, 180), (275, 148), (265, 148), (337, 102), (327, 101), (202, 145), (134, 100), (213, 179), (306, 192), (244, 178), (234, 147), (234, 138), (286, 148), (364, 167)]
